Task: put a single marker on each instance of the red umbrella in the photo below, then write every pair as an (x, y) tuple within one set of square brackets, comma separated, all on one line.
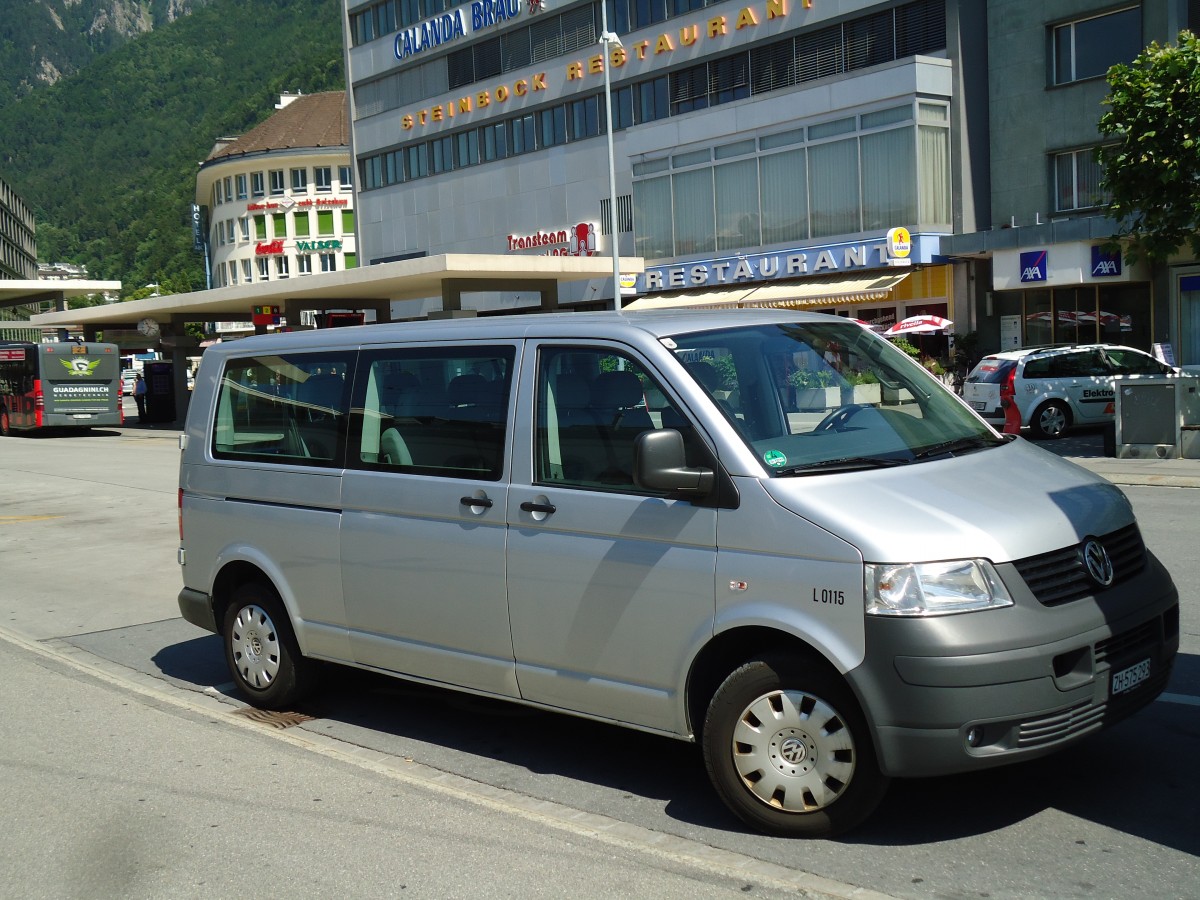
[(919, 325)]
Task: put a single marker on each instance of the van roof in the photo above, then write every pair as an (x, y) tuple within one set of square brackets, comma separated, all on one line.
[(656, 323)]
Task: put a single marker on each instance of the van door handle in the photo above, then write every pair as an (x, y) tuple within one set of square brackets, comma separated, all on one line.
[(547, 508), (476, 501)]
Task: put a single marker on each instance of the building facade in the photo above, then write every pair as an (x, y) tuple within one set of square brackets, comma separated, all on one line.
[(1036, 261), (278, 202), (18, 261), (761, 143)]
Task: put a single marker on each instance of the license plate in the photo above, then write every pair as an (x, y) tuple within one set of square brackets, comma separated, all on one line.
[(82, 416), (978, 404), (1129, 678)]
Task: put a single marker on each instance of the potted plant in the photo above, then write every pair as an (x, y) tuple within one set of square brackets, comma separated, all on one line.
[(815, 389)]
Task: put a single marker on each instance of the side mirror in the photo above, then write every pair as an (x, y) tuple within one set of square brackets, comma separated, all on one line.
[(660, 464)]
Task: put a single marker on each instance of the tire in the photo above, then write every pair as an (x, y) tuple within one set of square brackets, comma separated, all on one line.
[(788, 750), (261, 649), (1051, 420)]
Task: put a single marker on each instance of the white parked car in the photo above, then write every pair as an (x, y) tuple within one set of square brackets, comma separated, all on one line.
[(1055, 388), (128, 380)]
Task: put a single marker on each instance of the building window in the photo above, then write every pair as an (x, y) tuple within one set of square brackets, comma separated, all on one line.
[(325, 222), (1086, 48), (495, 141), (323, 176), (304, 265), (783, 179), (264, 270), (218, 193), (347, 222), (277, 187), (301, 224), (242, 193), (244, 224), (233, 275), (260, 228), (281, 267), (1077, 180), (229, 230), (229, 188), (256, 185), (220, 234), (328, 262), (279, 229), (299, 180), (441, 155), (247, 271), (345, 178)]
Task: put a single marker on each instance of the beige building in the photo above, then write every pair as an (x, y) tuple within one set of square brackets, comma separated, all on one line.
[(278, 202)]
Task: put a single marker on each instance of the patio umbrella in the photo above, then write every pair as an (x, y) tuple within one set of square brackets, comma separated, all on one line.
[(918, 325)]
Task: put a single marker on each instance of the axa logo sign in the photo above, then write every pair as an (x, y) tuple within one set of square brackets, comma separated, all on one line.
[(1105, 265), (1033, 265)]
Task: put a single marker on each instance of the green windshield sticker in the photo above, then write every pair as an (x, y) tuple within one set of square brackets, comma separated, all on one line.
[(775, 459)]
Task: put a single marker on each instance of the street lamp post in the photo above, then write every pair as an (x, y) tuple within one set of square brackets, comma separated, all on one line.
[(608, 40)]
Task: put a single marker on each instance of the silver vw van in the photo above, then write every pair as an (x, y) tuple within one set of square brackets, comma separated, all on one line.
[(769, 533)]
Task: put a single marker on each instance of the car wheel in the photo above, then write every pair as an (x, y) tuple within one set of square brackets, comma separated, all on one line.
[(262, 651), (788, 750), (1050, 420)]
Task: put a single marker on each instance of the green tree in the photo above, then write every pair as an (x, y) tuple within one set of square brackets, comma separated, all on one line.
[(1153, 165)]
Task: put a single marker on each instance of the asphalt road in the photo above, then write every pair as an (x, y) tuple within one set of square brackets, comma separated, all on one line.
[(88, 536)]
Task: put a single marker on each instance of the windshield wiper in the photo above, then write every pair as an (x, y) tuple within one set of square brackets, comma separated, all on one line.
[(958, 445), (843, 463)]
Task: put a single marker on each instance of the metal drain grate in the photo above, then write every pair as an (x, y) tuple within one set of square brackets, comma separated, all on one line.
[(274, 719)]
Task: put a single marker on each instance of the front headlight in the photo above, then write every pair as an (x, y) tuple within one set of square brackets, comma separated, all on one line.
[(933, 589)]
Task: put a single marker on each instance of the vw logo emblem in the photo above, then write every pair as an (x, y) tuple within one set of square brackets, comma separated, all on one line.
[(793, 751), (1099, 566)]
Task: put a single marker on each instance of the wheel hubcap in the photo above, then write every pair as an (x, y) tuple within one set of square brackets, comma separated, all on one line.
[(793, 751), (1054, 420), (255, 647)]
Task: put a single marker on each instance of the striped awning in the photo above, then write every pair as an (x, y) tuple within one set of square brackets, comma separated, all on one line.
[(801, 294)]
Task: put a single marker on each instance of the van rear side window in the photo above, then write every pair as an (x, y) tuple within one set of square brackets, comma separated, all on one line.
[(286, 409), (435, 411)]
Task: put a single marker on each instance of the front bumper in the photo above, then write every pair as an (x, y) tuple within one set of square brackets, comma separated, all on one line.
[(971, 691)]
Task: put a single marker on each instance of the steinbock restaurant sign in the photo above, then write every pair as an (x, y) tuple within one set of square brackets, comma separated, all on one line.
[(750, 20)]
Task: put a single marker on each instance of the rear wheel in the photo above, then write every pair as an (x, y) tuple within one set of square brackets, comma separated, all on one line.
[(788, 750), (1051, 420), (262, 651)]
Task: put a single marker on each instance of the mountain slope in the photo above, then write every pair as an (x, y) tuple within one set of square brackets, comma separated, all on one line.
[(42, 41), (107, 158)]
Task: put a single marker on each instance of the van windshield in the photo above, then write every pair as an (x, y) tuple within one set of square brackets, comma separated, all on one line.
[(817, 397)]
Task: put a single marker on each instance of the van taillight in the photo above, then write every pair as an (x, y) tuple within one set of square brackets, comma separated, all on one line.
[(180, 505)]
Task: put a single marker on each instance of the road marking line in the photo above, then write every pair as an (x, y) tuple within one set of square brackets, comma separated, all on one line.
[(1184, 699)]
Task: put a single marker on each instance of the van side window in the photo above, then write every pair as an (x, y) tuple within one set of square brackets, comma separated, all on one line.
[(591, 405), (435, 411), (286, 409)]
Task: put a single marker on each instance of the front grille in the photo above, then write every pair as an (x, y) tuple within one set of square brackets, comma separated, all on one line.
[(1060, 576), (1146, 636)]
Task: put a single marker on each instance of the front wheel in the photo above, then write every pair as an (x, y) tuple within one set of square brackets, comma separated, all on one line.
[(262, 651), (788, 750)]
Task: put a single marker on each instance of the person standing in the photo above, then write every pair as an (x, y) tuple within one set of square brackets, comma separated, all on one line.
[(139, 397)]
